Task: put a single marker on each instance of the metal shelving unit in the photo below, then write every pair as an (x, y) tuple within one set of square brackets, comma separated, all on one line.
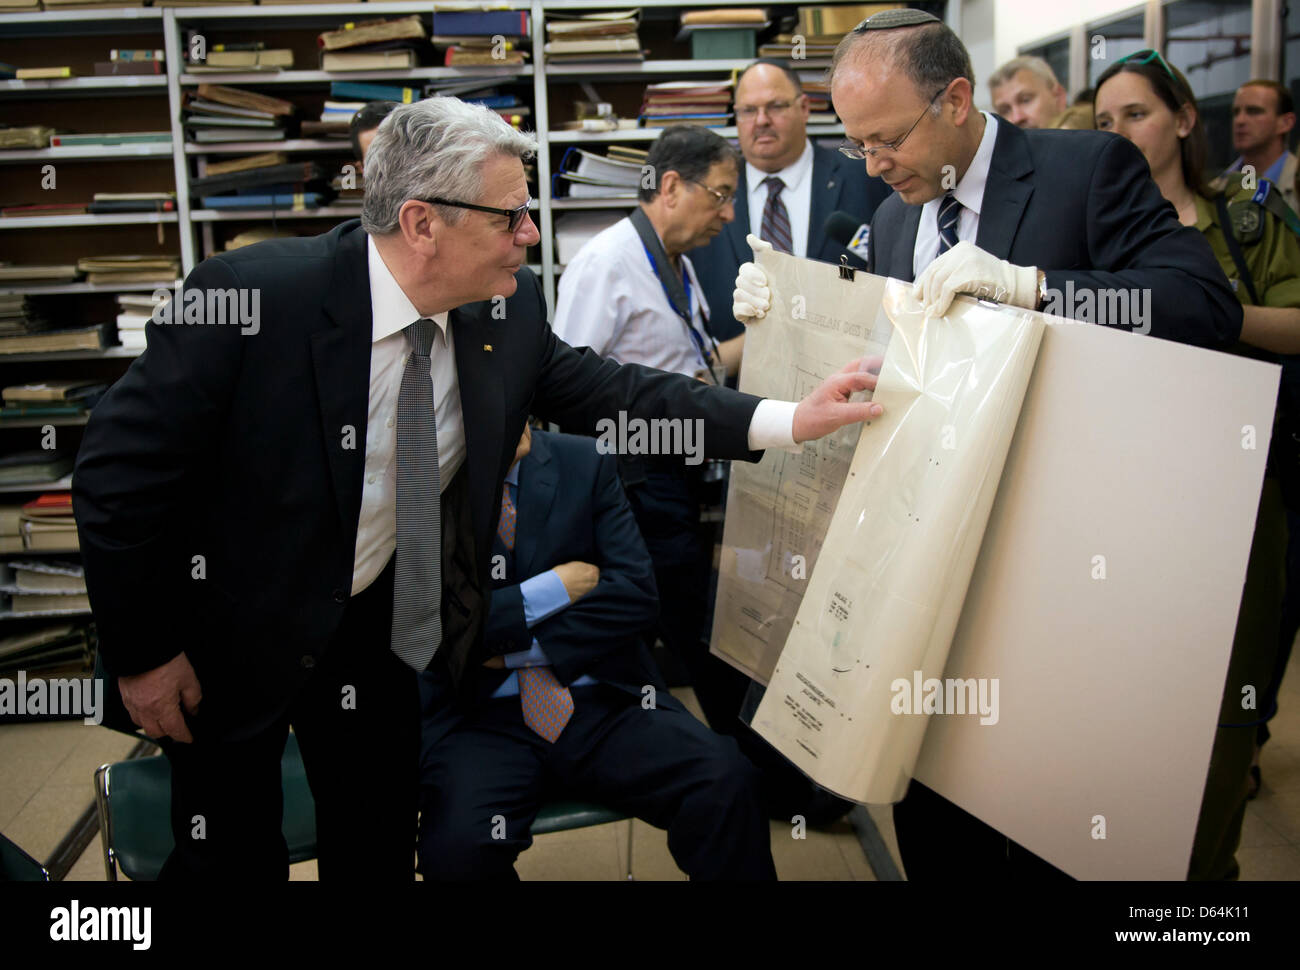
[(105, 219), (81, 153), (174, 20)]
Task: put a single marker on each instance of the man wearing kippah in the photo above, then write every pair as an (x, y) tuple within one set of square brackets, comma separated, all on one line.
[(983, 207)]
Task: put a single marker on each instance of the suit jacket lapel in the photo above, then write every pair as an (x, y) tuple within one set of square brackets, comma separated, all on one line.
[(482, 404), (341, 355), (538, 481), (902, 254), (1005, 195), (827, 184), (736, 230)]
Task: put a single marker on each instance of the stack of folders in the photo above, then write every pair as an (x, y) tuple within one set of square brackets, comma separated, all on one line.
[(27, 136), (573, 230), (130, 269), (109, 138), (247, 56), (34, 467), (11, 528), (111, 202), (134, 311), (216, 113), (817, 31), (43, 324), (64, 649), (13, 317), (16, 274), (581, 38), (586, 175), (48, 524), (50, 399), (376, 45), (49, 588), (297, 185), (726, 32), (687, 103), (481, 38), (132, 61), (820, 111), (72, 4)]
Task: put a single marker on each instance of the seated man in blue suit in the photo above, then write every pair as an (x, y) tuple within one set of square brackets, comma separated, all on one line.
[(788, 187), (569, 702)]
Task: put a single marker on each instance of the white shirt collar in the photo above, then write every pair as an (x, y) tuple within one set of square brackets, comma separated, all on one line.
[(792, 175), (391, 309), (970, 190)]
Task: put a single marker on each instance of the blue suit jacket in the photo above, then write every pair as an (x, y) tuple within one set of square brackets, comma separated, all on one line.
[(570, 507), (838, 183), (1081, 206)]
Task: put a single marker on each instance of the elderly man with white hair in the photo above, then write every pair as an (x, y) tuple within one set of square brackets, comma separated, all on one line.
[(281, 525)]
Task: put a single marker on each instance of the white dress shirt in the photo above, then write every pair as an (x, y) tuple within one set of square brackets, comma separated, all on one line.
[(770, 427), (391, 313), (609, 299), (969, 192), (797, 196)]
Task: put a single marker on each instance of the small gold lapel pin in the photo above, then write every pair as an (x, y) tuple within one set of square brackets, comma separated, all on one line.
[(488, 348)]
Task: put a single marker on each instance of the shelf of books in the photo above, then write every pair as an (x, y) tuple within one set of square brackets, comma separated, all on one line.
[(138, 140), (89, 192)]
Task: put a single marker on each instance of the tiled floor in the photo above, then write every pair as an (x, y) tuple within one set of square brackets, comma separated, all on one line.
[(46, 775)]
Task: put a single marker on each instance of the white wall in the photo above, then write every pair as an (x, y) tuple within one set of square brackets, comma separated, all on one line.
[(1020, 22)]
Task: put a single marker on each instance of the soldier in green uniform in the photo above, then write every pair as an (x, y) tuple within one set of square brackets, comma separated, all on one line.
[(1254, 235)]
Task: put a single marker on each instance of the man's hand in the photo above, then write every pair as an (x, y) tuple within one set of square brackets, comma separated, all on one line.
[(828, 407), (154, 698), (752, 297), (968, 269), (579, 578)]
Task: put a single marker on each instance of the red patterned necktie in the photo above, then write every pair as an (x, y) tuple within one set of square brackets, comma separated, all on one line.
[(546, 703), (506, 526)]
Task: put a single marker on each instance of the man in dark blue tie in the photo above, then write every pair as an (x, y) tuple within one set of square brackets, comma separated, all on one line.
[(569, 702)]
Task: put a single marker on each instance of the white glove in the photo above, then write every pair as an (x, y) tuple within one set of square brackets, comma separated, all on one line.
[(752, 298), (968, 269)]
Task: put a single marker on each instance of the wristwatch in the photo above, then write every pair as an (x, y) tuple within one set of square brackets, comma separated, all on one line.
[(1042, 290)]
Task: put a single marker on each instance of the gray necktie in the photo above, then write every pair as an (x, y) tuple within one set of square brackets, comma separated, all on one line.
[(417, 586)]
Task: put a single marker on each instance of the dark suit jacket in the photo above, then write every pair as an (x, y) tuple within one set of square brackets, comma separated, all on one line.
[(1081, 206), (570, 506), (249, 451), (838, 183)]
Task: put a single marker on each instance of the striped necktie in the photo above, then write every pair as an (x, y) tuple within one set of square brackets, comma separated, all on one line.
[(949, 214), (417, 584), (776, 221), (547, 704)]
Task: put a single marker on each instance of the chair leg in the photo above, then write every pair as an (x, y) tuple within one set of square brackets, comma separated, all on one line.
[(105, 827), (630, 822)]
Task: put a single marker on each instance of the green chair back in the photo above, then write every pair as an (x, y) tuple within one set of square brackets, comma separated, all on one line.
[(135, 813)]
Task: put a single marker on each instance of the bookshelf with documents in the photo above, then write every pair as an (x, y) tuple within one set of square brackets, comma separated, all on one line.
[(304, 38), (88, 186), (668, 36)]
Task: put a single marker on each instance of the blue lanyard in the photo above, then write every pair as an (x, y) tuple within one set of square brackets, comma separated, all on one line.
[(686, 317)]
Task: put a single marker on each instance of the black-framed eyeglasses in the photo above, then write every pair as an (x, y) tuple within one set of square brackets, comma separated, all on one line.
[(516, 215), (719, 199), (853, 151), (1146, 56)]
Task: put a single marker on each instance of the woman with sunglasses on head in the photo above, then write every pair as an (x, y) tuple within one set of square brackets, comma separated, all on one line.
[(1144, 99)]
